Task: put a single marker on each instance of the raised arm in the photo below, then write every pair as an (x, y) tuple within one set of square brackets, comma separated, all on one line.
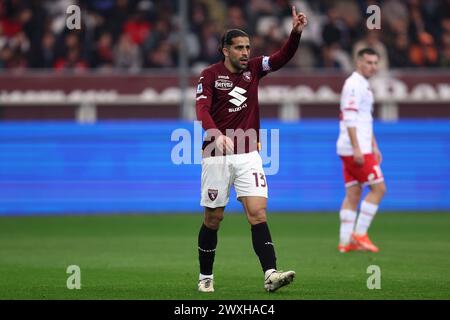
[(299, 21), (287, 51)]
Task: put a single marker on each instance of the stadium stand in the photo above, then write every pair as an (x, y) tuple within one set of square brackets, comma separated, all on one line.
[(131, 35)]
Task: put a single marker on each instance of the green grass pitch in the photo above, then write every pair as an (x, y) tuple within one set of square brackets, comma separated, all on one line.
[(155, 257)]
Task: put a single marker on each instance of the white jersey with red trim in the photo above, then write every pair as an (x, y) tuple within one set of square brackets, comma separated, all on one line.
[(356, 111)]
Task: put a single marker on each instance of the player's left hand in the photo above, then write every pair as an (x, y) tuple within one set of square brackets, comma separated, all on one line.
[(299, 21)]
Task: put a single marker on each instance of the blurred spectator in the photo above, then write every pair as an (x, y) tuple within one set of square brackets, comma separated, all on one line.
[(258, 11), (209, 39), (44, 57), (257, 46), (127, 54), (160, 32), (332, 36), (3, 38), (236, 19), (331, 32), (424, 53), (137, 27), (399, 52), (114, 23), (161, 57), (71, 62), (352, 27), (6, 57), (395, 16), (103, 56), (444, 60), (199, 14), (306, 57), (335, 57)]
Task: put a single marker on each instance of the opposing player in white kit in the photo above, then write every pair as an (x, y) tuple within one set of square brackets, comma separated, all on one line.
[(360, 156), (227, 105)]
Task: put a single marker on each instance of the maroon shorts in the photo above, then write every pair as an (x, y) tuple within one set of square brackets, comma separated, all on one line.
[(368, 173)]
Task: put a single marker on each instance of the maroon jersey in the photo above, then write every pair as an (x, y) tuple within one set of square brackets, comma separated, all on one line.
[(227, 100)]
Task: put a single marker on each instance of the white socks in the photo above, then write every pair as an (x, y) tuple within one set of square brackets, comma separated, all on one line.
[(203, 276), (366, 214), (348, 218)]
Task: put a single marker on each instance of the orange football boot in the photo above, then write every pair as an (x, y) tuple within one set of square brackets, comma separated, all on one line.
[(364, 243), (347, 247)]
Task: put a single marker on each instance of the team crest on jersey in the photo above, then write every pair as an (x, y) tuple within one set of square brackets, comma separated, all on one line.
[(222, 84), (247, 76), (212, 194)]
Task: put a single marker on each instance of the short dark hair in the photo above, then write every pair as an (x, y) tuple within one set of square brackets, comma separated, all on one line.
[(369, 51), (229, 35)]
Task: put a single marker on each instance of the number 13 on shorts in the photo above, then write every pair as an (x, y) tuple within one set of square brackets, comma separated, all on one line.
[(260, 179)]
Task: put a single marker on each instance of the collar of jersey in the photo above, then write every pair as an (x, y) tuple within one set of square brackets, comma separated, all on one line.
[(360, 76)]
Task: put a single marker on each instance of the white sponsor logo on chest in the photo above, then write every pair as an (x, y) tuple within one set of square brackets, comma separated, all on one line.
[(222, 84), (238, 100)]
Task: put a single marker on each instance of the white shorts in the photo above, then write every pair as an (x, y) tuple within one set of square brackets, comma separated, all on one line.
[(244, 171)]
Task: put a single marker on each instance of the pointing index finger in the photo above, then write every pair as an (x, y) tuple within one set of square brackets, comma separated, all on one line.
[(294, 12)]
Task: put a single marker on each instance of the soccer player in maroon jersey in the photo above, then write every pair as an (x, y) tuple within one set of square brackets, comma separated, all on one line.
[(227, 105)]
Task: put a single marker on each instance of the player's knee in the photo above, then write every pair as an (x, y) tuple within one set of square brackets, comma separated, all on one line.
[(212, 221), (354, 196), (381, 189), (256, 216)]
